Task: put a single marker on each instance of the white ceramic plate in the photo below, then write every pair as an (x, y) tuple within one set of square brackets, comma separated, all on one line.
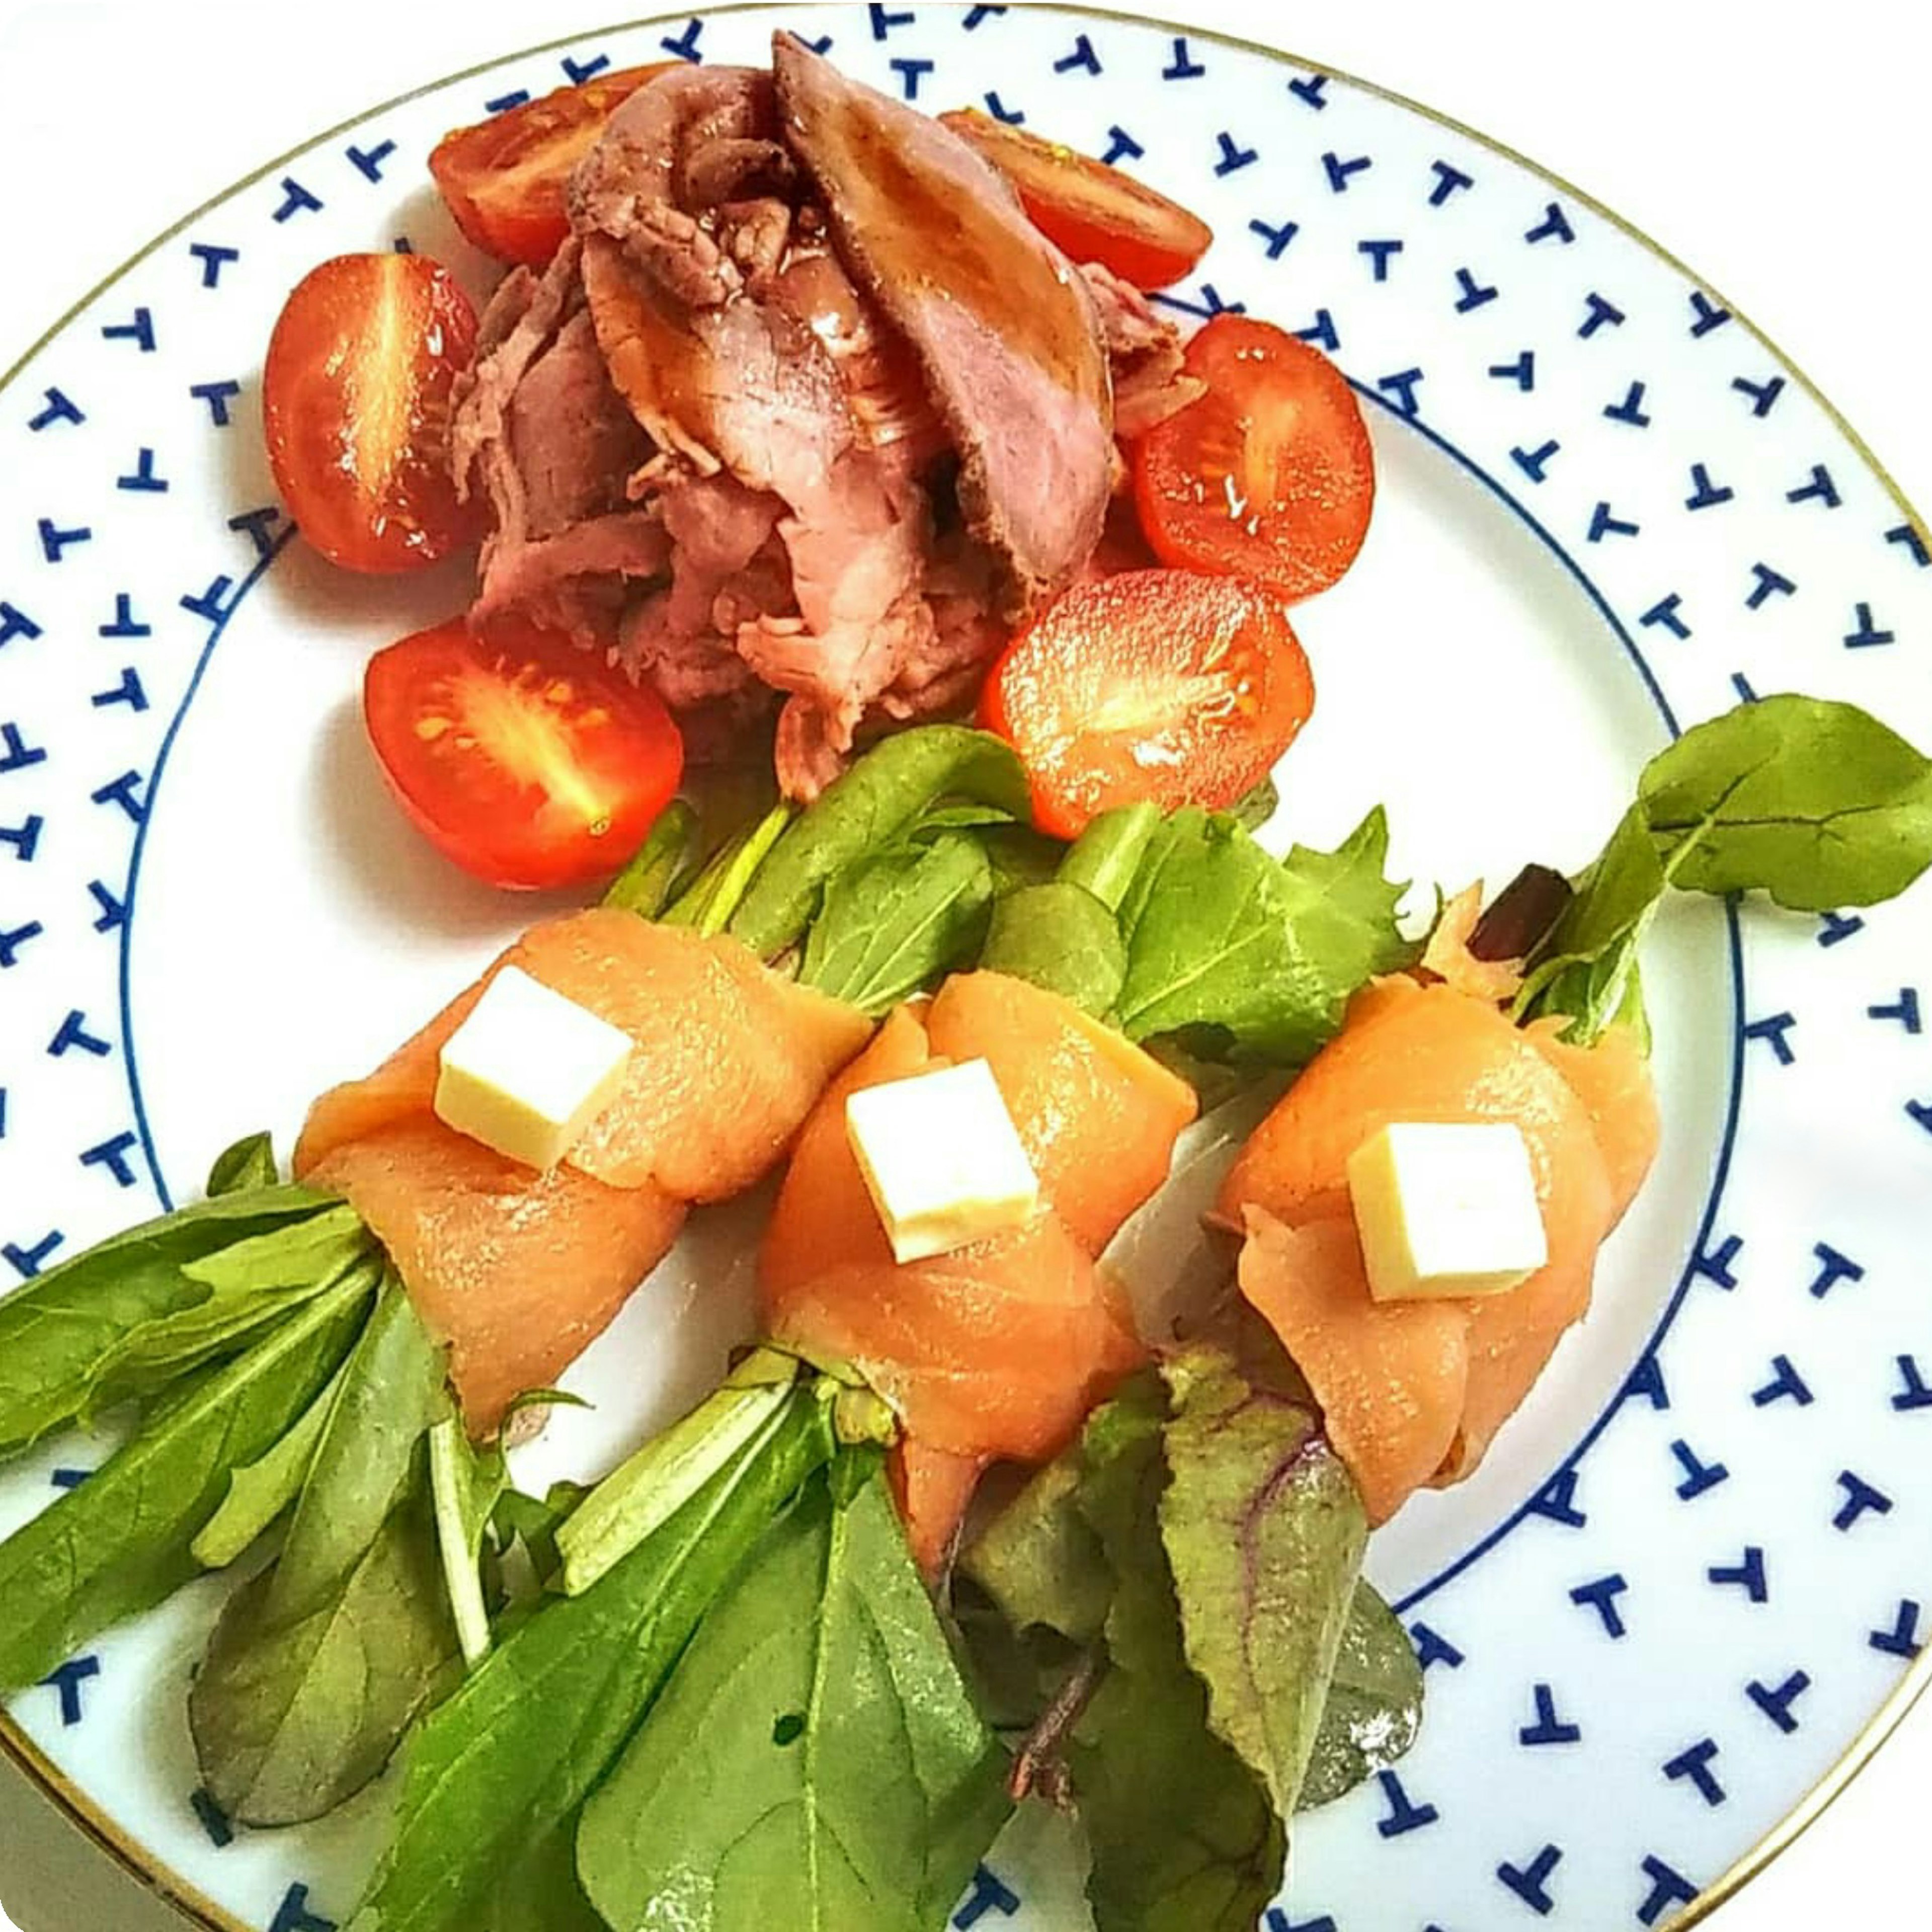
[(1681, 1592)]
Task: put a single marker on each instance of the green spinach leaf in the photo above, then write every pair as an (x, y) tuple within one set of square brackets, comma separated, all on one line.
[(707, 904), (253, 1284), (1060, 937), (651, 1486), (866, 809), (1263, 1531), (56, 1331), (122, 1543), (890, 924), (1813, 802), (259, 1493), (250, 1163), (651, 879), (495, 1772), (1810, 801), (394, 1392), (466, 1485), (1374, 1711), (292, 1717), (815, 1759)]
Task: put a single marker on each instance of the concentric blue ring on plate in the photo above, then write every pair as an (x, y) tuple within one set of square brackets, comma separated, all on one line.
[(1692, 1574)]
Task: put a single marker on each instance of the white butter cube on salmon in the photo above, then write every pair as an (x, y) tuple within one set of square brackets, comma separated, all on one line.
[(529, 1070), (945, 1165), (1447, 1210)]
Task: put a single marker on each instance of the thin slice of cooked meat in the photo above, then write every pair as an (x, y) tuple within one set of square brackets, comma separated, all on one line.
[(1005, 328), (733, 331), (1144, 355), (539, 426)]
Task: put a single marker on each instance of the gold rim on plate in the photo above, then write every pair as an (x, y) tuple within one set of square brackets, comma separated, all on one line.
[(176, 1892)]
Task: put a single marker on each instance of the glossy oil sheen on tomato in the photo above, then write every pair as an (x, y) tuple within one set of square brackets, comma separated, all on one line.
[(529, 762), (1162, 685), (356, 403), (1271, 473)]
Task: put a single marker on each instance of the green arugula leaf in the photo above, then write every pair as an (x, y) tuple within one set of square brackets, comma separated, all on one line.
[(1374, 1711), (250, 1163), (1258, 960), (656, 870), (815, 1759), (493, 1773), (121, 1543), (866, 809), (259, 1493), (466, 1485), (1019, 856), (1342, 910), (891, 924), (1265, 1531), (1182, 1834), (55, 1332), (292, 1717), (1813, 802)]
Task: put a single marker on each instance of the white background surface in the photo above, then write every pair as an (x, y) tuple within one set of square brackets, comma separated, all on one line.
[(1785, 162)]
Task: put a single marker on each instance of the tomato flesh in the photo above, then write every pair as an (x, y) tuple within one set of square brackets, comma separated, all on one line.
[(507, 180), (1090, 211), (1270, 474), (529, 762), (1159, 685), (355, 401)]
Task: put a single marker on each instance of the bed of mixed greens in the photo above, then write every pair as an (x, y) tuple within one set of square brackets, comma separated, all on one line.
[(718, 1679)]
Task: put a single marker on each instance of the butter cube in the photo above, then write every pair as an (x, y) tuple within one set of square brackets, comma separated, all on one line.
[(1447, 1210), (944, 1162), (529, 1070)]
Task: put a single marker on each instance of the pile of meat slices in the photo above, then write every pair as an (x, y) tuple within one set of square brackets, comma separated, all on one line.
[(805, 412)]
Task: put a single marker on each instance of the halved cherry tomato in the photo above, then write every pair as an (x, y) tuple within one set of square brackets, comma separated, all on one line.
[(505, 178), (529, 762), (355, 401), (1270, 474), (1090, 211), (1161, 684)]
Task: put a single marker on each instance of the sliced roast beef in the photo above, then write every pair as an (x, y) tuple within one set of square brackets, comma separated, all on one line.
[(537, 426), (1144, 354), (795, 417), (1005, 328)]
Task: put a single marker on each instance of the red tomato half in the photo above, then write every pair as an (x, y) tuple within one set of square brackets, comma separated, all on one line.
[(1160, 685), (505, 179), (355, 402), (529, 762), (1090, 211), (1270, 474)]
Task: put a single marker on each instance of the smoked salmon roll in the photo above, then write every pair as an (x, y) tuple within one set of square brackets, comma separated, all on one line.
[(520, 1270), (999, 1349), (1415, 1392)]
